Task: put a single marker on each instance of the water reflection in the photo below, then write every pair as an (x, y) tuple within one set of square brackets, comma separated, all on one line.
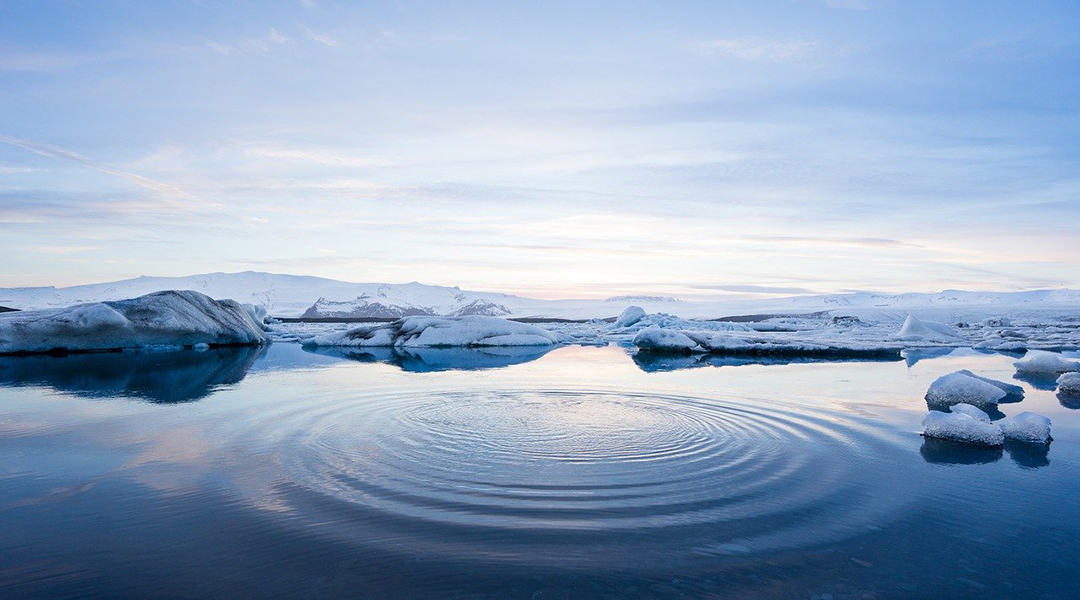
[(1038, 381), (426, 360), (1071, 401), (163, 378), (1030, 456), (652, 362)]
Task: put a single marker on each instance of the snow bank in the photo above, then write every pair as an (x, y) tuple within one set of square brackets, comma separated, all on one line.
[(419, 332), (631, 315), (962, 428), (1069, 384), (915, 330), (1027, 427), (161, 319), (665, 340), (1039, 362), (961, 388)]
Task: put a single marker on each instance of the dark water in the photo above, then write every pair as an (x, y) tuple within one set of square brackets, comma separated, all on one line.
[(575, 473)]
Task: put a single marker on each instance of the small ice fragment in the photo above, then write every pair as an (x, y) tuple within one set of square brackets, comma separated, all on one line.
[(1069, 384), (1027, 427), (971, 411), (1042, 363), (962, 428), (958, 387)]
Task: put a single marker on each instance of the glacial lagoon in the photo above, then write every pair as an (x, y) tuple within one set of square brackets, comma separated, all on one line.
[(533, 473)]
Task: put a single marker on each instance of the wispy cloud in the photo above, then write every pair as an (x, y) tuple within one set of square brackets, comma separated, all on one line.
[(762, 49), (252, 44)]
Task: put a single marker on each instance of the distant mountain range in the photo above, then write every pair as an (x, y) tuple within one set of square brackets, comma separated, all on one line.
[(295, 295)]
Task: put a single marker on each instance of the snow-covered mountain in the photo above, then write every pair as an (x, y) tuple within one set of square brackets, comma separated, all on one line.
[(294, 295), (389, 301)]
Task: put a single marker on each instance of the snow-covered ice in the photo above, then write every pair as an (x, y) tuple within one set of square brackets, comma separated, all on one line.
[(962, 428), (1069, 384), (1013, 393), (467, 331), (958, 387), (971, 411), (170, 319), (1027, 427), (917, 330), (1038, 362), (629, 316), (665, 340)]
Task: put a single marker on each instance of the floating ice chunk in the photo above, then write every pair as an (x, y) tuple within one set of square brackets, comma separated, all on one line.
[(665, 340), (631, 315), (1027, 427), (915, 330), (1013, 393), (960, 427), (162, 319), (1069, 384), (971, 411), (998, 322), (959, 387), (1042, 362), (418, 332)]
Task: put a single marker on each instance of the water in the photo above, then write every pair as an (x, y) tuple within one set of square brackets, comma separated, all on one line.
[(575, 473)]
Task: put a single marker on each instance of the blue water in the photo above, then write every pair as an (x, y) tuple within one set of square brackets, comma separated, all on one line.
[(580, 472)]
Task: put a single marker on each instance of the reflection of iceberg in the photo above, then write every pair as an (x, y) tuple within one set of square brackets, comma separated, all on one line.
[(652, 362), (423, 360), (1031, 456), (913, 355), (1039, 381), (164, 377), (946, 452)]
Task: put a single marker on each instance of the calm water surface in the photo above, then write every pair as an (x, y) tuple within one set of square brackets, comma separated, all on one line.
[(575, 473)]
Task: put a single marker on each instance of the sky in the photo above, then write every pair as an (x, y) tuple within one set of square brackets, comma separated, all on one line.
[(549, 149)]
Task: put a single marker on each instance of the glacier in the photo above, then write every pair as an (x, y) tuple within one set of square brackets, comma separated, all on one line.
[(168, 319)]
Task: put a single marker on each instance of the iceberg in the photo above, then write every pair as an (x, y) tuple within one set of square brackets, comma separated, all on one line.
[(961, 428), (962, 388), (631, 315), (169, 319), (446, 332), (1069, 384), (915, 330), (665, 340), (1027, 427), (1040, 362)]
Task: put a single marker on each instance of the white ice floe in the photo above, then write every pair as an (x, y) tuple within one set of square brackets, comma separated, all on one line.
[(916, 330), (962, 428), (665, 340), (1039, 362), (959, 387), (419, 332), (170, 319), (631, 315), (1027, 427), (971, 411), (1069, 384)]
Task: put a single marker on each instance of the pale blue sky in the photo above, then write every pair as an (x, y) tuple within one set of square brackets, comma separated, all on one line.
[(550, 149)]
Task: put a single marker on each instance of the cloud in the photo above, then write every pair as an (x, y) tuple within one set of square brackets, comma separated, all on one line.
[(256, 44), (762, 49), (323, 39)]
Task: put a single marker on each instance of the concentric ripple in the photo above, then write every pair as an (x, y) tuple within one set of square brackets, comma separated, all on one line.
[(541, 475)]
